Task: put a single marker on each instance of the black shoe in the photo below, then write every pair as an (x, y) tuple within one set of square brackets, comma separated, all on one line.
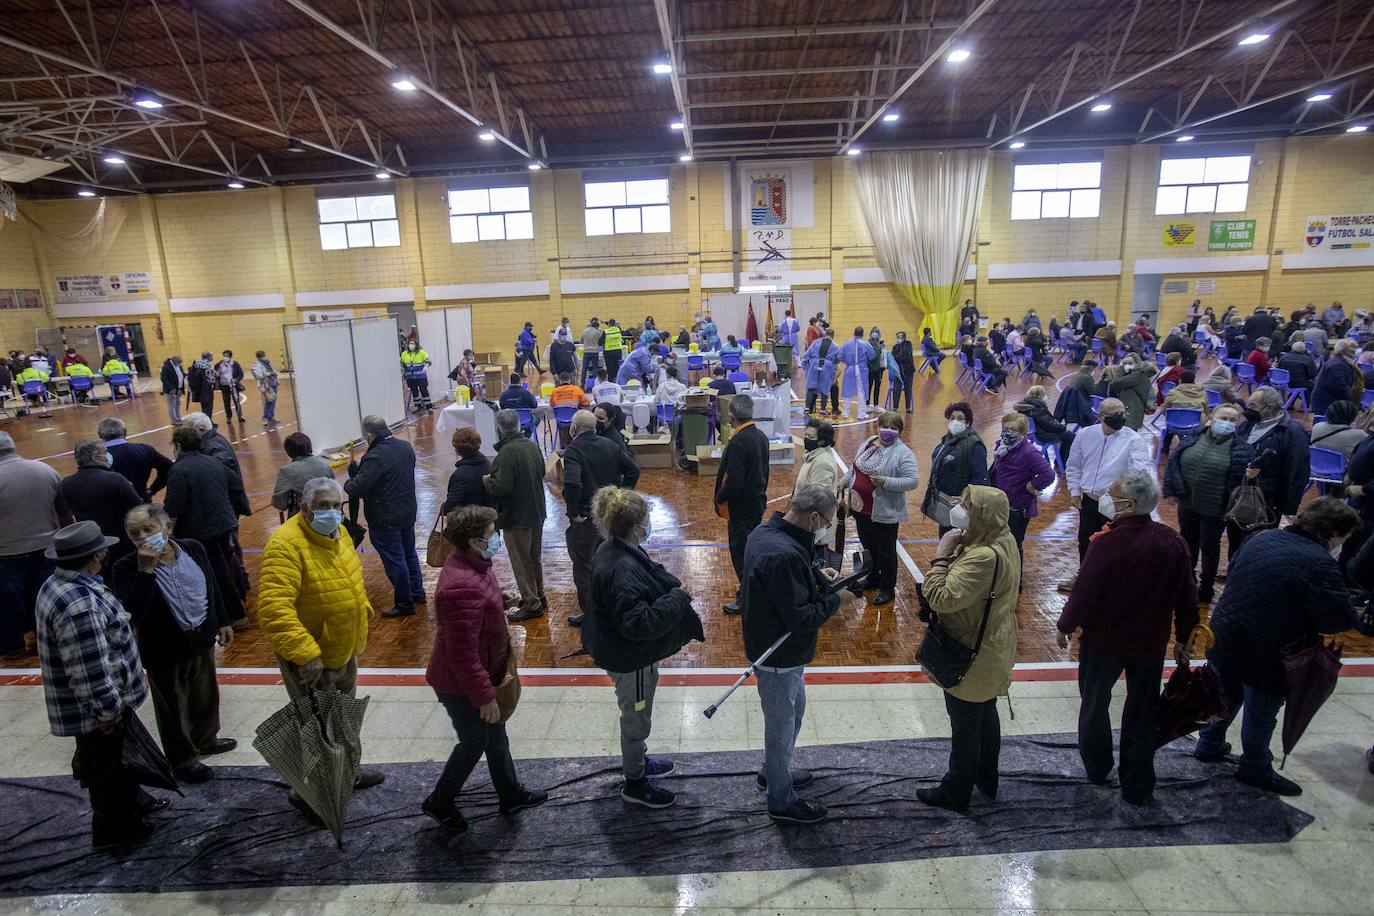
[(1138, 801), (1204, 597), (938, 799), (219, 746), (800, 812), (1217, 756), (543, 603), (885, 596), (398, 611), (449, 817), (575, 620), (1272, 782), (527, 798), (366, 779), (658, 768), (154, 805), (524, 614), (989, 792), (643, 792), (800, 778), (193, 773), (1369, 760), (109, 839), (733, 608)]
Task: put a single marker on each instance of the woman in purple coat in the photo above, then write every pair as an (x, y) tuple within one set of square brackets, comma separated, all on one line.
[(1020, 471)]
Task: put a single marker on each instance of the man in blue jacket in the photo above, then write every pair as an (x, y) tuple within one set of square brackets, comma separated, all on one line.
[(385, 481)]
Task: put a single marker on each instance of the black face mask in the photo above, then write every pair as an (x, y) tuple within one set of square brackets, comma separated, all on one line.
[(1115, 421), (811, 444), (1253, 415), (602, 425)]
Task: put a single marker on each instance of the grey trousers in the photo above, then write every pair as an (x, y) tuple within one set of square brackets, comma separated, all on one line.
[(344, 680), (630, 688), (173, 406), (524, 546)]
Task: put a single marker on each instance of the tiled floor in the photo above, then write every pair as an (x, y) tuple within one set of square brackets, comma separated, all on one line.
[(1326, 869)]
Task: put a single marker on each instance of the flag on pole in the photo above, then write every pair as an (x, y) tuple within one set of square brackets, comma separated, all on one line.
[(751, 324)]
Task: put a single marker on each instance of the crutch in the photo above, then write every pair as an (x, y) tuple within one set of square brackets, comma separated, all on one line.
[(710, 711)]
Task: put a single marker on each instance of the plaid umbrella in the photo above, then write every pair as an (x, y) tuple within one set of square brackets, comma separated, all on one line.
[(1311, 672), (313, 744)]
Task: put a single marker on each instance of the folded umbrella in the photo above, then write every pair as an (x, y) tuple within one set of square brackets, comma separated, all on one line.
[(143, 759), (1191, 699), (313, 743), (1311, 672)]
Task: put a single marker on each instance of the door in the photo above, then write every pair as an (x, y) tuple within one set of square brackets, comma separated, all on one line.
[(138, 350), (1145, 297)]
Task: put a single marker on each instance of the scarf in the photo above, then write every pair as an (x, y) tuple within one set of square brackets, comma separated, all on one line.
[(871, 456)]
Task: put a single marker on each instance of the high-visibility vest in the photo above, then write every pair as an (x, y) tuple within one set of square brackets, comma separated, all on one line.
[(80, 369), (33, 375), (613, 342), (115, 367), (413, 364)]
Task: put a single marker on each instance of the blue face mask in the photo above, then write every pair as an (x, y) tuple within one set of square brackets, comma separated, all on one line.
[(1223, 427), (158, 540), (493, 545), (326, 521)]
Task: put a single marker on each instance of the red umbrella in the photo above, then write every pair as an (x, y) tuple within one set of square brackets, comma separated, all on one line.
[(1311, 672), (751, 325)]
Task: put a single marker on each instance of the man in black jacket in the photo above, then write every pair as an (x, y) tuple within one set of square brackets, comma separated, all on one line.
[(385, 481), (173, 385), (589, 463), (99, 494), (136, 461), (168, 588), (517, 483), (201, 495), (785, 593), (1300, 366), (742, 483), (200, 383), (989, 364), (1178, 343), (1260, 324), (1280, 467)]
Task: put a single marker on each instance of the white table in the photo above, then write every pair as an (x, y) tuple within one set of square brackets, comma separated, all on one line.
[(476, 415)]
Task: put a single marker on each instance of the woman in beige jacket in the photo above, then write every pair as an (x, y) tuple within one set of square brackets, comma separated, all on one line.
[(820, 467), (976, 566)]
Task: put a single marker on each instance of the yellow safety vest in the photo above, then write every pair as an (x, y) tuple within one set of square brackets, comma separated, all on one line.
[(115, 367), (33, 375), (419, 357), (80, 369), (613, 341)]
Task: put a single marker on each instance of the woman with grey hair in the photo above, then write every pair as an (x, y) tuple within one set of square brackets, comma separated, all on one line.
[(169, 590)]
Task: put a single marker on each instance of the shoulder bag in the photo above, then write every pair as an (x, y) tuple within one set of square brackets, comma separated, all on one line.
[(945, 659), (437, 548), (508, 690)]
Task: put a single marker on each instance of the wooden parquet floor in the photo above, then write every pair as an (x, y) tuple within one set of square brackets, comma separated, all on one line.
[(687, 538)]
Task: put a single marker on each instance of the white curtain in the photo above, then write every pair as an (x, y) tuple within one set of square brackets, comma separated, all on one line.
[(95, 237), (921, 208)]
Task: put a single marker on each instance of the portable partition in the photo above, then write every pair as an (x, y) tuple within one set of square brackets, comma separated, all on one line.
[(444, 335), (343, 371), (730, 311)]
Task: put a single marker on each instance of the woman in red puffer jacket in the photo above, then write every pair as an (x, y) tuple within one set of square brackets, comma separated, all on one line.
[(471, 648)]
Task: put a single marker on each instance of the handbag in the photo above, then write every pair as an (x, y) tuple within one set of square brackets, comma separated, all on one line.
[(508, 690), (437, 548), (1248, 509), (945, 659)]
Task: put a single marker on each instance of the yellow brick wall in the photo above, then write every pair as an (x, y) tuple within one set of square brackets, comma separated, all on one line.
[(267, 241)]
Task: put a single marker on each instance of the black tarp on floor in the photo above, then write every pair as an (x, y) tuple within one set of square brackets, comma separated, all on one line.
[(238, 830)]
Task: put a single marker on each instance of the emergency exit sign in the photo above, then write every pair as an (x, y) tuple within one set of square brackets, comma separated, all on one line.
[(1231, 235)]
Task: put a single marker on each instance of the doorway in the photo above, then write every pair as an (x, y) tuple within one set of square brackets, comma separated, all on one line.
[(138, 349)]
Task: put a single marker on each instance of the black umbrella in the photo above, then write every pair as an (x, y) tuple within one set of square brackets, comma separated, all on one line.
[(143, 759), (1192, 698), (1311, 672)]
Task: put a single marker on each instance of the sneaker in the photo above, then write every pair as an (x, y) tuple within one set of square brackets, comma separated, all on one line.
[(801, 811), (936, 798), (524, 613), (658, 768), (219, 746), (193, 773), (448, 816), (800, 778), (733, 608), (1271, 782), (1067, 585), (885, 596), (643, 792), (575, 620), (366, 779), (1222, 753), (527, 798), (398, 611)]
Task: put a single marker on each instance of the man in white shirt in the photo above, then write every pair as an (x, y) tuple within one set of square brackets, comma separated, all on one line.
[(605, 390), (670, 390), (1101, 453)]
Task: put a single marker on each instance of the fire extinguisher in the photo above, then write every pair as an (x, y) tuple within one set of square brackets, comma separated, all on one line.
[(159, 327)]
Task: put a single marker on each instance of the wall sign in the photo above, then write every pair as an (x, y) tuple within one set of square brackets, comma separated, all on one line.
[(97, 287), (1231, 235), (1340, 233), (770, 254), (28, 298), (1175, 287), (1205, 287), (7, 300), (1180, 234)]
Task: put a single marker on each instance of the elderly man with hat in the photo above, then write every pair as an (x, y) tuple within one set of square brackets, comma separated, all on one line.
[(93, 681)]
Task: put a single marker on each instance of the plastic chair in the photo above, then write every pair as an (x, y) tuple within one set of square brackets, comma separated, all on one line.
[(1213, 398), (82, 384), (526, 415), (1160, 358), (739, 377), (1025, 361), (1049, 449), (965, 371), (695, 363), (35, 389), (1097, 400), (1367, 398), (667, 413), (562, 418), (731, 361), (120, 380), (1328, 468), (1245, 375), (1179, 420)]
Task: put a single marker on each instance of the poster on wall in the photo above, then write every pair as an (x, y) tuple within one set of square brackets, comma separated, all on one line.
[(1180, 234), (769, 253), (1204, 287), (1231, 235), (8, 300), (1340, 233), (318, 315), (28, 298), (97, 287), (1174, 287), (771, 194)]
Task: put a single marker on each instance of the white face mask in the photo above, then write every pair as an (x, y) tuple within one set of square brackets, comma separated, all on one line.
[(1335, 549), (822, 535), (958, 517), (1107, 506), (956, 427)]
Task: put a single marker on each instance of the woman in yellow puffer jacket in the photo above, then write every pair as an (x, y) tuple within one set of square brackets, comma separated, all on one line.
[(312, 606)]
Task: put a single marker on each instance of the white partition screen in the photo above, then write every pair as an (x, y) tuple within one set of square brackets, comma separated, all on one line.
[(326, 398), (377, 365), (459, 324), (434, 340)]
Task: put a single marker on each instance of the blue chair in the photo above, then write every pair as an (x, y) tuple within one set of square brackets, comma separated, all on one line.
[(1318, 418), (1095, 346), (929, 362), (1213, 399), (1049, 449), (1328, 468), (1025, 360), (526, 420), (1367, 398), (1177, 421), (981, 378), (562, 418), (1278, 379), (120, 380), (1245, 375), (82, 384), (1160, 359), (730, 361), (1204, 340), (965, 371), (739, 377), (37, 390), (1097, 400), (667, 413), (1164, 389)]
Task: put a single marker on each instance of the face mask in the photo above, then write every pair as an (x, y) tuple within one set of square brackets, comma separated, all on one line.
[(493, 545), (109, 460), (811, 444), (326, 521), (157, 539), (413, 348), (887, 436), (1107, 506), (1115, 421), (602, 425), (1010, 438), (1223, 428), (822, 535), (958, 517), (1127, 367), (1253, 415), (956, 427), (1335, 550)]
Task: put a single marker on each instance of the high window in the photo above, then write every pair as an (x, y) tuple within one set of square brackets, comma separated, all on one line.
[(622, 207), (490, 214), (358, 222), (1216, 184), (1054, 190)]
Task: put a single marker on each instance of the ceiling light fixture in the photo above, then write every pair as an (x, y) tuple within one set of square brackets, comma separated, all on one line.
[(891, 117), (85, 193), (294, 146), (404, 83), (1019, 144), (1183, 139), (1101, 107), (236, 185), (486, 136), (1357, 129), (1253, 38), (854, 151), (383, 176), (958, 55), (535, 166), (662, 68), (677, 125), (1319, 97), (685, 157), (147, 100), (112, 160)]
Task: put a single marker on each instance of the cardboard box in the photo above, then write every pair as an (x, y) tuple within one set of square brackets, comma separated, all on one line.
[(490, 357), (707, 459), (652, 451), (494, 378), (784, 452)]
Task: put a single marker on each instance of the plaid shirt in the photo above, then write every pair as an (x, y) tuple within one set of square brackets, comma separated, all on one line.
[(91, 669)]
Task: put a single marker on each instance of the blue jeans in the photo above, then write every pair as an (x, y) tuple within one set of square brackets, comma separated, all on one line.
[(782, 693), (1256, 728), (269, 408), (396, 547), (21, 577)]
